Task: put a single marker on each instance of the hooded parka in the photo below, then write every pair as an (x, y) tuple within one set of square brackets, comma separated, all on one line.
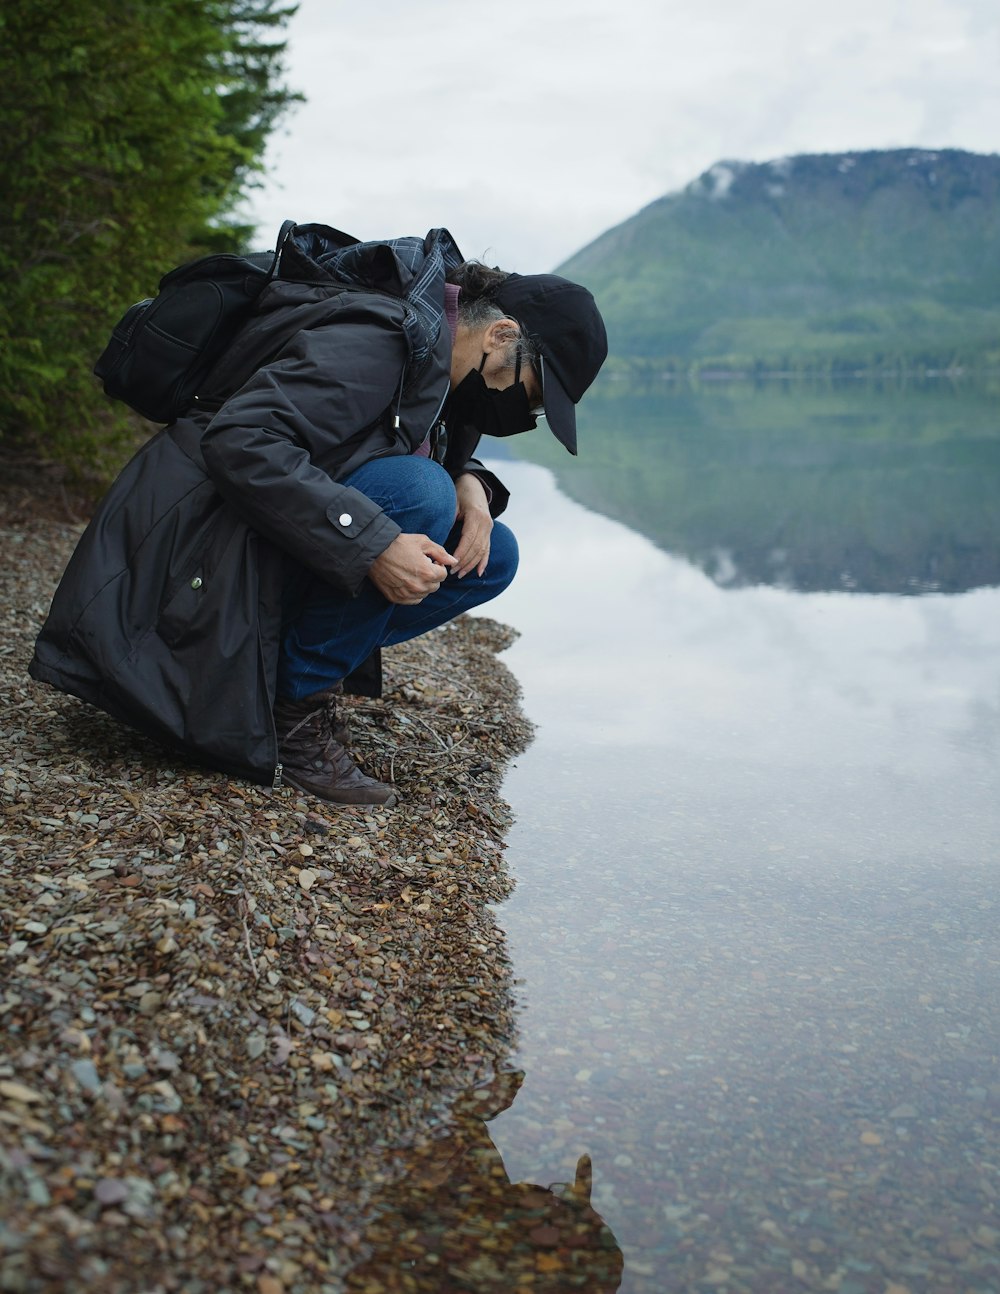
[(169, 613)]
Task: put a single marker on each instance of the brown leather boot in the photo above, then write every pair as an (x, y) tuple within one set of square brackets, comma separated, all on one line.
[(312, 761)]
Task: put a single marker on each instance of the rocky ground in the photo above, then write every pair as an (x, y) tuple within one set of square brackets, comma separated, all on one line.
[(224, 1009)]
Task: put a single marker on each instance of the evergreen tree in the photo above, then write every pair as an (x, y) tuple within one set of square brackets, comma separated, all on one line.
[(130, 133)]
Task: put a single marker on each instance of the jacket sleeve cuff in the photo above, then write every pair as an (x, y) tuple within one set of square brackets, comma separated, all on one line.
[(497, 493), (379, 533)]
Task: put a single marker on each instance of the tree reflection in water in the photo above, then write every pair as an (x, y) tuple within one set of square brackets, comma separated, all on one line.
[(455, 1223), (817, 486)]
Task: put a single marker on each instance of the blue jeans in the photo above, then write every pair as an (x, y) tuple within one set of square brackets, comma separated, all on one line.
[(326, 634)]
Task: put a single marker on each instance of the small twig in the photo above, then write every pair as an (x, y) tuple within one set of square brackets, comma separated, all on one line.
[(246, 939), (449, 678), (245, 848), (142, 812), (441, 743)]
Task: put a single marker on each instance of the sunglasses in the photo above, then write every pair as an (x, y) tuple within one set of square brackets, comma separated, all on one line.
[(536, 369)]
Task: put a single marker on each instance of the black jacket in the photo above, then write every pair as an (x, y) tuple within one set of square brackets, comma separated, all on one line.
[(168, 615)]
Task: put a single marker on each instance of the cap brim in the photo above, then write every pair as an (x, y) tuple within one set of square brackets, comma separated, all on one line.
[(560, 411)]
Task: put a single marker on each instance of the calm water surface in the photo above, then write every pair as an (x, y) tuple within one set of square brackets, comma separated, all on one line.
[(756, 845)]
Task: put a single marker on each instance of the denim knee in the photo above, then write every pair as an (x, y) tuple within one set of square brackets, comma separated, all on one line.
[(504, 557), (417, 493)]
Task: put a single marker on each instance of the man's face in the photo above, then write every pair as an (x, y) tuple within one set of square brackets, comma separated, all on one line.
[(500, 372)]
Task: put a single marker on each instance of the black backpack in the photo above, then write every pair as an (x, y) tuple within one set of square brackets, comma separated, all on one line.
[(163, 348)]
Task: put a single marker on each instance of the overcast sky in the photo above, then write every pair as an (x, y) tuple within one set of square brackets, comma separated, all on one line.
[(529, 127)]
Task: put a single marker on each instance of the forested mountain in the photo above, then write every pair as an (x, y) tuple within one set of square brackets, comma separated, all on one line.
[(835, 261)]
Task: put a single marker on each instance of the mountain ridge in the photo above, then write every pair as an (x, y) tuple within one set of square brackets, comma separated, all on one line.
[(822, 261)]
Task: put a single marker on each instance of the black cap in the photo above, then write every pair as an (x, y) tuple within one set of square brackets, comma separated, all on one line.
[(563, 319)]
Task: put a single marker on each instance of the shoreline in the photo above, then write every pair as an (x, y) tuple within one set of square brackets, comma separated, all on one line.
[(227, 1009)]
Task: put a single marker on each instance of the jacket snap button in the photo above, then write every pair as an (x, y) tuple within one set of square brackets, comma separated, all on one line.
[(196, 582), (346, 518)]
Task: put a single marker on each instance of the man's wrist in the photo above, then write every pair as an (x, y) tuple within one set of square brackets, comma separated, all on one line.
[(487, 492)]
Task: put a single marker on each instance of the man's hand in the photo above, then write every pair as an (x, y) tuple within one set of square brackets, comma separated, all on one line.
[(473, 551), (410, 568)]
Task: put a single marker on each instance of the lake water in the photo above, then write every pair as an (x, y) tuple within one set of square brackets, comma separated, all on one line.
[(755, 925)]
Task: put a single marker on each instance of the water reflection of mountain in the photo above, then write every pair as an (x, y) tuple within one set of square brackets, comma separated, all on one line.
[(874, 489)]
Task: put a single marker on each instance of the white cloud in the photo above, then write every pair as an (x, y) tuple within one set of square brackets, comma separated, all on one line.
[(849, 684), (531, 129)]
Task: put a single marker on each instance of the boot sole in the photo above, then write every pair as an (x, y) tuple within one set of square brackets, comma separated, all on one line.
[(389, 803)]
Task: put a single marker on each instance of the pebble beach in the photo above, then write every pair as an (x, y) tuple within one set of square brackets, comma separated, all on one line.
[(229, 1013)]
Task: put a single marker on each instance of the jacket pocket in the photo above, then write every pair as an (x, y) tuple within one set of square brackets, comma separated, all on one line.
[(208, 577), (179, 616)]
